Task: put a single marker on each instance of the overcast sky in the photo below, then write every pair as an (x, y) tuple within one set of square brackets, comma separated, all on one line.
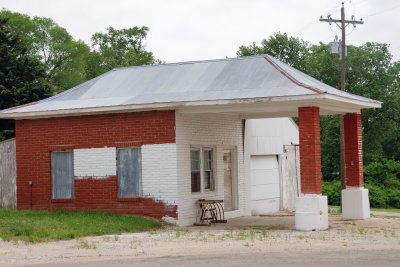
[(184, 30)]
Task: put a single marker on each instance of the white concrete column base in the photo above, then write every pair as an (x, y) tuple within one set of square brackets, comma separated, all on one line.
[(311, 213), (355, 203)]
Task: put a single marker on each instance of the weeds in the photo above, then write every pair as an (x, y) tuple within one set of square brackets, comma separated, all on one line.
[(84, 244), (180, 232), (135, 243)]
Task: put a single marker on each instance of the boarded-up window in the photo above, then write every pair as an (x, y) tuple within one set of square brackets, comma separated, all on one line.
[(129, 172), (62, 174), (195, 169)]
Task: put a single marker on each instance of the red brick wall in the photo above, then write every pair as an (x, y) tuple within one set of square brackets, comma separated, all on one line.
[(353, 150), (35, 139), (310, 151)]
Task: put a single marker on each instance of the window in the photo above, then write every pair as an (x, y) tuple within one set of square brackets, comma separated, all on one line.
[(195, 163), (208, 169), (202, 169), (129, 172), (62, 172)]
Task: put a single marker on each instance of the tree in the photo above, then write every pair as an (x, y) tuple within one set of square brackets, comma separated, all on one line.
[(64, 57), (70, 62), (22, 76), (372, 73), (290, 50), (119, 48)]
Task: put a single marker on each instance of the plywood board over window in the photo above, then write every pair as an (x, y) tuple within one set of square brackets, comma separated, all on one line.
[(8, 175), (129, 172), (62, 171)]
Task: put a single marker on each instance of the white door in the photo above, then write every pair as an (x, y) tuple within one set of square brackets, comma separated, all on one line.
[(265, 189), (290, 177)]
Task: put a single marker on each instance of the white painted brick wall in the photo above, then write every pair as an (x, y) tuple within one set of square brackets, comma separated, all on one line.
[(159, 172), (219, 131), (268, 136), (95, 162)]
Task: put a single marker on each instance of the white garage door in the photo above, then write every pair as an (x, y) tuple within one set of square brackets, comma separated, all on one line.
[(265, 190)]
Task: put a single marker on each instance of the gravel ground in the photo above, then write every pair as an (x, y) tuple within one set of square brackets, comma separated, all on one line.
[(377, 233)]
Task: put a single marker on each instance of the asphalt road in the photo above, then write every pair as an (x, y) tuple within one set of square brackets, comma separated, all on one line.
[(351, 258)]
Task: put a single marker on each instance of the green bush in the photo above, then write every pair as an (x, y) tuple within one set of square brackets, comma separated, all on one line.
[(385, 174), (332, 190), (394, 199), (382, 180), (378, 197)]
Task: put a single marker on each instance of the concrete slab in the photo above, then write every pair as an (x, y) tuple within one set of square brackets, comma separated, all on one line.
[(278, 221), (273, 221)]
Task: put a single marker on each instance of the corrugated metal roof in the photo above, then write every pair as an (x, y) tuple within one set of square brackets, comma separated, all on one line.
[(225, 79)]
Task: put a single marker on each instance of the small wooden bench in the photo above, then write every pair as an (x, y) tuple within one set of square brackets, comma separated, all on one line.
[(211, 211)]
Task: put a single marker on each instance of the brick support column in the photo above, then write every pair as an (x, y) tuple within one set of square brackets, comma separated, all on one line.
[(355, 201), (311, 206), (310, 151), (353, 150)]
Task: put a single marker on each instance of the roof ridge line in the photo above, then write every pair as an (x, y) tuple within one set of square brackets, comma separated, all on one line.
[(291, 78), (191, 62)]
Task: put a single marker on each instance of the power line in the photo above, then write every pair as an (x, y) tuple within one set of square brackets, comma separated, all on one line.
[(347, 34), (316, 19), (359, 3), (382, 11), (331, 10)]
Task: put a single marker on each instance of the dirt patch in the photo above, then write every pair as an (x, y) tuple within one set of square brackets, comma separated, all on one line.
[(371, 234)]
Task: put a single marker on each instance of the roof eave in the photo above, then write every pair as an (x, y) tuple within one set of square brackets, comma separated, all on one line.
[(307, 99)]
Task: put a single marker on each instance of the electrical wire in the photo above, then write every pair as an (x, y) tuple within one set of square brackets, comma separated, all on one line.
[(317, 19), (359, 3), (347, 34), (334, 32), (382, 11)]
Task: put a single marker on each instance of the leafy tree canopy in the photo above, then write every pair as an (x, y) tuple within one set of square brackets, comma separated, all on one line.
[(64, 58), (290, 50), (22, 76), (119, 48), (69, 62)]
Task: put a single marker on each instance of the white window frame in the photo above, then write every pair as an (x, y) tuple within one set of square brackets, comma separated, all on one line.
[(213, 183)]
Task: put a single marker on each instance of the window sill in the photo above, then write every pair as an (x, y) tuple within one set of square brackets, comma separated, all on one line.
[(204, 193), (62, 200), (130, 199)]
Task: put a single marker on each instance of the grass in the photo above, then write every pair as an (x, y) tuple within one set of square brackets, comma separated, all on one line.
[(86, 244), (38, 226), (386, 210), (335, 210)]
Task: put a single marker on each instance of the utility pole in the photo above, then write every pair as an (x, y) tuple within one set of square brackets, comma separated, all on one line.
[(342, 23)]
